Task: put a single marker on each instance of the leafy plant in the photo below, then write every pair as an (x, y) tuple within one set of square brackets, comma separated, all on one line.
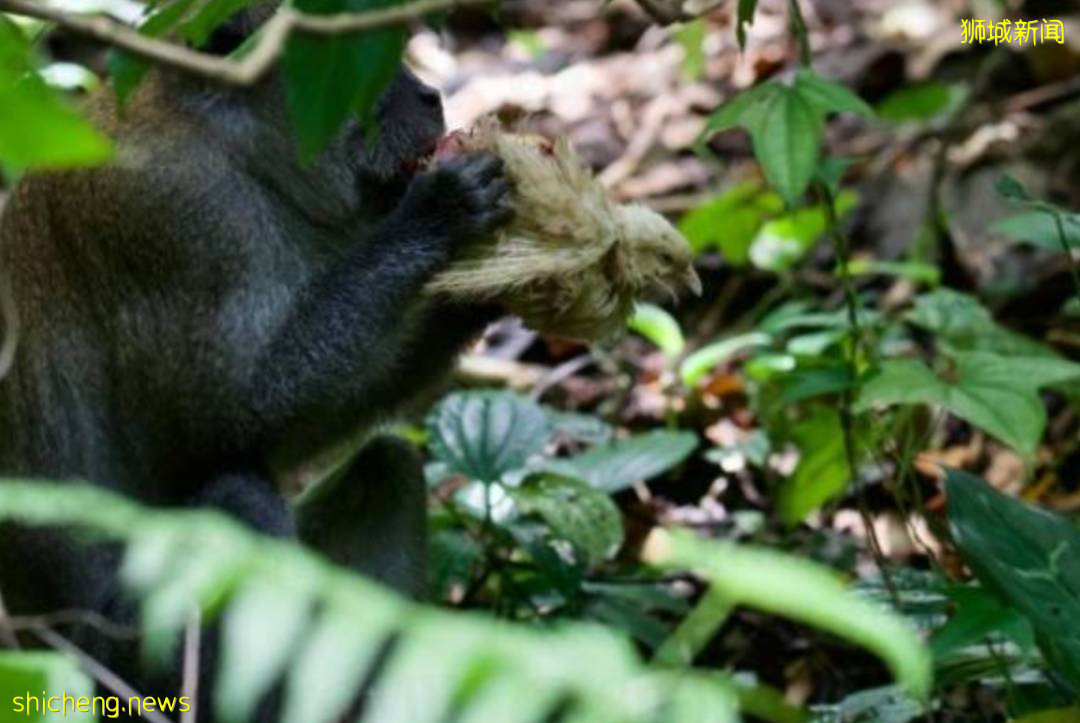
[(786, 126), (515, 503), (994, 392), (331, 626)]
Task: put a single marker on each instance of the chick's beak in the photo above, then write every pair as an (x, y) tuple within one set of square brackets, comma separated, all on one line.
[(692, 280)]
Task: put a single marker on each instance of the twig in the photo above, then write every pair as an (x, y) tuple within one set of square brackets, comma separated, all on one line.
[(89, 618), (479, 370), (561, 373), (99, 672), (190, 687), (266, 51), (654, 117)]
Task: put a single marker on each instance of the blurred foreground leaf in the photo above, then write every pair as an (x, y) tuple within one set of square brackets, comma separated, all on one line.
[(1029, 557)]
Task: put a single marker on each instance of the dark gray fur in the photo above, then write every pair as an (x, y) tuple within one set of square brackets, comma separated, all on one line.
[(206, 311)]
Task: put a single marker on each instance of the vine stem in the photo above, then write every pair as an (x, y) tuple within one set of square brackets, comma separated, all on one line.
[(847, 416), (851, 301), (266, 51), (798, 29)]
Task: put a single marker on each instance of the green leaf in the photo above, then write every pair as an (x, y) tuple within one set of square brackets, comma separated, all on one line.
[(252, 659), (14, 48), (1010, 189), (745, 17), (585, 428), (959, 321), (744, 109), (332, 658), (827, 96), (40, 675), (980, 613), (876, 705), (617, 466), (484, 435), (915, 271), (126, 70), (453, 558), (625, 616), (787, 143), (823, 472), (921, 102), (996, 393), (38, 129), (766, 703), (356, 628), (659, 327), (1028, 556), (802, 591), (730, 221), (1057, 715), (815, 381), (575, 512), (785, 240), (698, 697), (707, 358), (198, 28), (1040, 229), (696, 630), (831, 172), (329, 79)]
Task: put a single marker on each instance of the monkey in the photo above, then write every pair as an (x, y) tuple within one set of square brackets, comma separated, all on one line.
[(208, 310)]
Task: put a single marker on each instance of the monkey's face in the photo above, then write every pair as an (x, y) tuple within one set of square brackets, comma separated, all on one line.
[(410, 123)]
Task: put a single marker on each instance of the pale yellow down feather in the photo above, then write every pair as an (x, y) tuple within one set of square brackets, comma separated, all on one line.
[(572, 262)]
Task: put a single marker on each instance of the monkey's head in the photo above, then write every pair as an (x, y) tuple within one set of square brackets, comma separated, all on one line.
[(408, 118), (409, 123)]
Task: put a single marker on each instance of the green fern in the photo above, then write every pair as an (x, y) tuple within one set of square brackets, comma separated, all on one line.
[(287, 614)]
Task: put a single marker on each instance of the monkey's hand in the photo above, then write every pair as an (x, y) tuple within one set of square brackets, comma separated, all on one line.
[(462, 199)]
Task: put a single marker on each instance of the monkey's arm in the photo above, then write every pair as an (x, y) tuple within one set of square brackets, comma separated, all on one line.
[(346, 349)]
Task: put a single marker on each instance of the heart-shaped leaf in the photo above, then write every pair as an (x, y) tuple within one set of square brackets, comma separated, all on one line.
[(997, 393), (484, 435)]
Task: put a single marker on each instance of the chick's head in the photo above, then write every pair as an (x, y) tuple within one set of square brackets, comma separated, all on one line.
[(657, 256)]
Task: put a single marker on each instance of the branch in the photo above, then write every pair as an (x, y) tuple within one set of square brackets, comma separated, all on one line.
[(189, 687), (107, 678), (269, 47)]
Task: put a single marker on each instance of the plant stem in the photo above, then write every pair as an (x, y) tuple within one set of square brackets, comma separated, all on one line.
[(847, 417), (798, 29), (264, 55), (696, 630)]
